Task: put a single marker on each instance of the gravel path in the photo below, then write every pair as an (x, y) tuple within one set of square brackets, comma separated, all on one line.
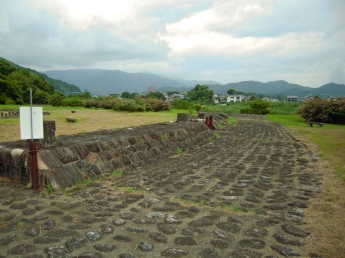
[(241, 195)]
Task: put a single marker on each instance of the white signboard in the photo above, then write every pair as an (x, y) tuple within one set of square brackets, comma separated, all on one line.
[(25, 123)]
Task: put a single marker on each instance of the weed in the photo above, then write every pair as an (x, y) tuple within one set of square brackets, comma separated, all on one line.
[(220, 126), (128, 189), (142, 191), (332, 198), (179, 150), (210, 139), (48, 187), (202, 202), (82, 132), (327, 188), (117, 173), (20, 224), (163, 136), (114, 186), (216, 135), (57, 137)]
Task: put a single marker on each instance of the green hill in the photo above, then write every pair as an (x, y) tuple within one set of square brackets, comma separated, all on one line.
[(16, 82)]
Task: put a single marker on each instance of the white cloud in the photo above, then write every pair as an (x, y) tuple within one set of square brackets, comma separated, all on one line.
[(218, 40)]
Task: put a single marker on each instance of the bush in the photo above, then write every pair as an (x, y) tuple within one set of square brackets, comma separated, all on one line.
[(128, 105), (73, 102), (321, 110), (181, 104), (258, 107), (157, 104)]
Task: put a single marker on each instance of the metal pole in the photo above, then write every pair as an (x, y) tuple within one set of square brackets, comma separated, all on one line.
[(32, 127), (33, 153)]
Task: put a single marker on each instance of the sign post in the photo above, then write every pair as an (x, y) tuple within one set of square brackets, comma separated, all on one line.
[(31, 127)]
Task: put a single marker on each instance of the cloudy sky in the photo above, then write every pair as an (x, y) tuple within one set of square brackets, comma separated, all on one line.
[(225, 41)]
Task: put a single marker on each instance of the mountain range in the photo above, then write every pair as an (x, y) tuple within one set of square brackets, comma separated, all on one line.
[(104, 82)]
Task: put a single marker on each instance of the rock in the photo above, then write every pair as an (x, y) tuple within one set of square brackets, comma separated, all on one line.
[(285, 251), (46, 240), (245, 253), (166, 228), (218, 243), (75, 242), (158, 237), (104, 247), (229, 226), (123, 238), (90, 255), (256, 232), (291, 229), (184, 241), (93, 235), (174, 252), (32, 231), (56, 251), (145, 246), (252, 243), (200, 223), (22, 249), (284, 239)]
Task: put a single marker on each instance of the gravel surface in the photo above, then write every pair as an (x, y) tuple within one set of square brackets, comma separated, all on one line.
[(241, 195)]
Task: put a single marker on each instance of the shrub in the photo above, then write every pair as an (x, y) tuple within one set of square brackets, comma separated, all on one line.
[(128, 105), (258, 107), (321, 110), (157, 104), (181, 104), (73, 102)]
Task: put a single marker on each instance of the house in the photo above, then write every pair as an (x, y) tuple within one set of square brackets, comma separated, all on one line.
[(115, 95), (220, 99), (235, 98), (307, 98), (291, 98)]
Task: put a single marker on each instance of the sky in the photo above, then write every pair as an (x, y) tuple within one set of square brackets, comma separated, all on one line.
[(297, 41)]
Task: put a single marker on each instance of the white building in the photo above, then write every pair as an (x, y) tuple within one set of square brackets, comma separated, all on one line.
[(235, 98)]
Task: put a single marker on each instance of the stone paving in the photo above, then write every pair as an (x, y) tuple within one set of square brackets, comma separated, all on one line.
[(241, 195)]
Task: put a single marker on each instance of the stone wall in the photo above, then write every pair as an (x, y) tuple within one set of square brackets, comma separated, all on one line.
[(93, 154)]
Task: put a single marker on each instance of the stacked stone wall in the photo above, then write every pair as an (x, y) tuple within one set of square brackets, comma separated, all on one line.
[(88, 157)]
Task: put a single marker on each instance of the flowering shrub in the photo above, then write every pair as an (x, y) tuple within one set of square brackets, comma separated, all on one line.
[(321, 110)]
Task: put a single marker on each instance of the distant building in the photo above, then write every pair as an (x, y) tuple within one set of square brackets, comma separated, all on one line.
[(151, 89), (307, 98), (235, 98), (291, 98), (115, 95)]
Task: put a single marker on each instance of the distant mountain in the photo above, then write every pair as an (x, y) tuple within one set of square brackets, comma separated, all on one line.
[(103, 82), (281, 88)]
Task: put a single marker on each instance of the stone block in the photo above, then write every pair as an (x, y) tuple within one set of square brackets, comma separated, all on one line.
[(48, 158), (182, 117), (93, 147), (66, 155), (93, 158), (82, 150)]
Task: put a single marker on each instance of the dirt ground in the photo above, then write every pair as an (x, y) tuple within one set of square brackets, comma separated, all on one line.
[(88, 121)]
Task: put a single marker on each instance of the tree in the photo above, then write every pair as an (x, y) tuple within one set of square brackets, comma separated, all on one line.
[(155, 95), (56, 99), (200, 94), (172, 93), (231, 91), (258, 107), (125, 95)]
